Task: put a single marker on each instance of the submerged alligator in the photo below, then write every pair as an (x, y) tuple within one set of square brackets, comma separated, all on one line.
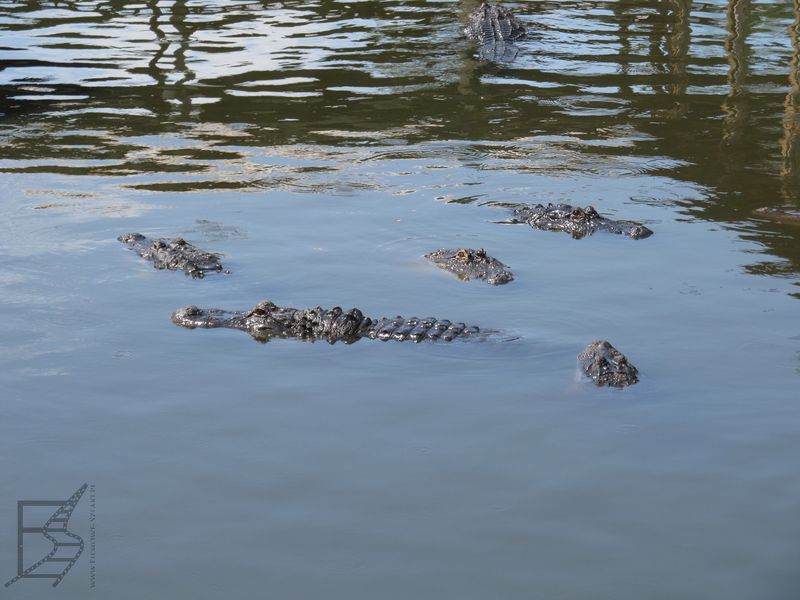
[(267, 320), (782, 215), (579, 222), (174, 254), (606, 365), (472, 264), (603, 363), (495, 29)]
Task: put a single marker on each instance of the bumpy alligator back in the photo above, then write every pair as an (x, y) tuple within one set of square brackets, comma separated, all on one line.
[(415, 329), (267, 320), (175, 254), (493, 24)]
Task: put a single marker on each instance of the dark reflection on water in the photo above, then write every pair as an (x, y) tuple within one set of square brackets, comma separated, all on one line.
[(399, 70), (791, 118), (704, 92)]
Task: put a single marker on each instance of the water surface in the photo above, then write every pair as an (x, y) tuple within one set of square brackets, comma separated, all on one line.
[(324, 148)]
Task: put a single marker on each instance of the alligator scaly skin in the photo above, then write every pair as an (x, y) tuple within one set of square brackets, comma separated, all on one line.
[(496, 30), (468, 264), (607, 366), (578, 222), (492, 23), (267, 320), (175, 254)]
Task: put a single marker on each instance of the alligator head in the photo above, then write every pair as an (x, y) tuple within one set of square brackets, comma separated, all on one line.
[(577, 221), (607, 366), (492, 23), (267, 320), (495, 29), (175, 254), (472, 264)]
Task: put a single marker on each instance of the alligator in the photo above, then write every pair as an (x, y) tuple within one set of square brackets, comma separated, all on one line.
[(579, 222), (606, 365), (267, 320), (495, 29), (472, 264), (782, 215), (174, 254)]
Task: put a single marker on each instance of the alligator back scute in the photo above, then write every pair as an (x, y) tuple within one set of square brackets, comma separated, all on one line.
[(418, 330), (174, 254), (267, 320), (493, 24)]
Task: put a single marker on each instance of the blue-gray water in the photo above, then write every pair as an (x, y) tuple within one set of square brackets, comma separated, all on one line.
[(324, 148)]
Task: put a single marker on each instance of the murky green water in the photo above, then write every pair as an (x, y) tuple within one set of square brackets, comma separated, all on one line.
[(324, 148)]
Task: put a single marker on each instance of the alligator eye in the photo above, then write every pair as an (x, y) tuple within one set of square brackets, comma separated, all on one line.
[(179, 242), (577, 214), (462, 255), (158, 244), (258, 312), (265, 306)]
